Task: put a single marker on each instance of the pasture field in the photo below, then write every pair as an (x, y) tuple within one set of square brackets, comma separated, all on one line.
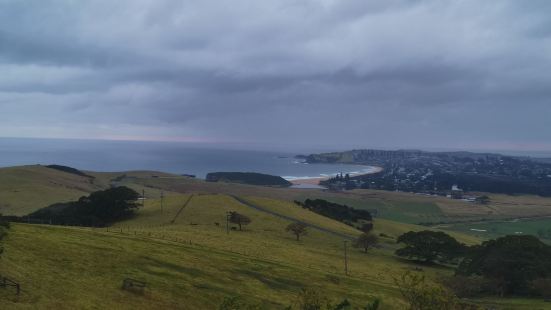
[(28, 188), (189, 260), (540, 228), (193, 263)]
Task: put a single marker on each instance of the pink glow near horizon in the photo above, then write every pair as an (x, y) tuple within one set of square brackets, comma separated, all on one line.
[(158, 138)]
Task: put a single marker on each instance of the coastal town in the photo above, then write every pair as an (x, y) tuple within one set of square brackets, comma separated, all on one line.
[(441, 173)]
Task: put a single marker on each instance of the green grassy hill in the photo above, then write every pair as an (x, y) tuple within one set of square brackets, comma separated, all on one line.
[(27, 188), (188, 259)]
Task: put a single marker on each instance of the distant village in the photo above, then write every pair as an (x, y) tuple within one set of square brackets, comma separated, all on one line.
[(445, 174)]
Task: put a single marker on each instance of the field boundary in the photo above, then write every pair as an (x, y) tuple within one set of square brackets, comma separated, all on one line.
[(261, 209), (181, 209)]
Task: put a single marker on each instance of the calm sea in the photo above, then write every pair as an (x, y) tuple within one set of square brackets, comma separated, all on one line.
[(179, 158)]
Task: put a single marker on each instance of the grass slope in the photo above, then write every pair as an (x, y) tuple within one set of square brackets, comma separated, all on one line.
[(27, 188), (193, 263)]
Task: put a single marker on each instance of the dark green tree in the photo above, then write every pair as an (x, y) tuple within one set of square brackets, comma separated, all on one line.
[(430, 246), (365, 241), (298, 229), (97, 209), (239, 219), (112, 204), (511, 261)]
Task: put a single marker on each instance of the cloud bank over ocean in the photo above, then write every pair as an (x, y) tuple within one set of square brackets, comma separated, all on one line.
[(328, 73)]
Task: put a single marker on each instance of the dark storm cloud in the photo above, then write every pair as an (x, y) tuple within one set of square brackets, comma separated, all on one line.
[(333, 73)]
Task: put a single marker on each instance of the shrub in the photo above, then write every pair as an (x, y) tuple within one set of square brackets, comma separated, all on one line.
[(310, 299), (237, 303), (421, 295)]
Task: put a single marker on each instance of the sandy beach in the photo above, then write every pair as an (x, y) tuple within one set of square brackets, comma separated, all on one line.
[(316, 180)]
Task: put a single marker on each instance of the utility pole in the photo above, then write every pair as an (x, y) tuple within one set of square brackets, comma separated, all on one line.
[(228, 222), (162, 197), (143, 198), (345, 258)]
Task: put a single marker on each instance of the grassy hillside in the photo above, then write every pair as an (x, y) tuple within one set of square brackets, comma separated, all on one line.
[(263, 263), (194, 264), (189, 260), (27, 188)]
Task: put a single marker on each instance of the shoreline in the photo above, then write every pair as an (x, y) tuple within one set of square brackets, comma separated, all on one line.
[(316, 180)]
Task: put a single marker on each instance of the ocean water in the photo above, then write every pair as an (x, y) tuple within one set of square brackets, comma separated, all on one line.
[(178, 158)]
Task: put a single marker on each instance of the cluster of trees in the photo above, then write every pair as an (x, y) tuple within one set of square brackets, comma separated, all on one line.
[(341, 181), (251, 178), (513, 263), (341, 213), (298, 229), (510, 265), (430, 246), (98, 209), (4, 226)]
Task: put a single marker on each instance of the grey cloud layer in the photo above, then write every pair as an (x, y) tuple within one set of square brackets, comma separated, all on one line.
[(334, 73)]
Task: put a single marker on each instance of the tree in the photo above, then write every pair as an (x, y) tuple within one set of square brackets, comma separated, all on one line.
[(298, 229), (367, 227), (430, 246), (511, 261), (421, 295), (365, 241), (112, 204), (97, 209), (239, 219)]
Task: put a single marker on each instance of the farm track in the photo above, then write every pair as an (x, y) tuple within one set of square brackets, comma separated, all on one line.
[(181, 209), (261, 209)]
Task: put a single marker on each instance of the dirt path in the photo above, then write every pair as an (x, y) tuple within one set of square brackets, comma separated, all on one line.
[(181, 209), (322, 229)]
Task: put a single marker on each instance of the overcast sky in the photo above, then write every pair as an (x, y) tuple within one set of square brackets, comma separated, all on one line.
[(417, 74)]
